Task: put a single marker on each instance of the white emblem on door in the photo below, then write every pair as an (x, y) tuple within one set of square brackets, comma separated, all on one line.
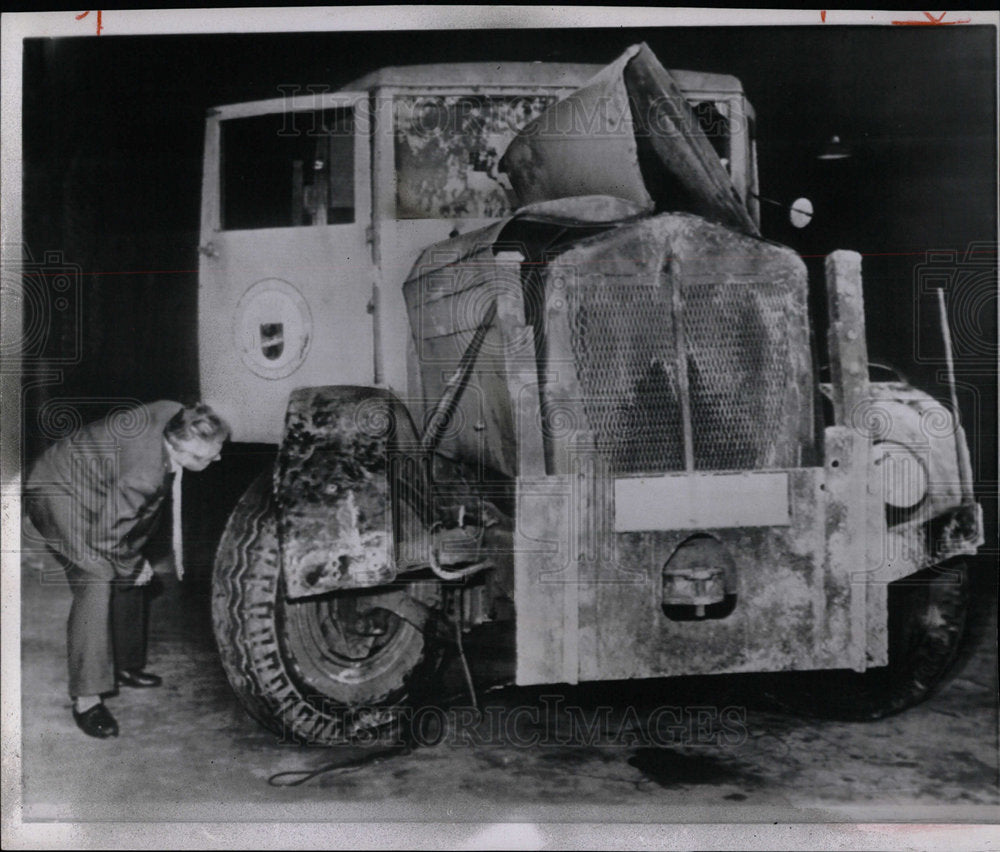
[(273, 328)]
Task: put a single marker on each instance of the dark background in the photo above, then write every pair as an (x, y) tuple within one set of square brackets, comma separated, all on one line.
[(113, 130)]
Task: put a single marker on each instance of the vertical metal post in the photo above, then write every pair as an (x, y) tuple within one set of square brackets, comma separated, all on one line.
[(848, 538), (374, 305), (673, 281), (373, 135), (846, 335), (949, 362), (961, 445)]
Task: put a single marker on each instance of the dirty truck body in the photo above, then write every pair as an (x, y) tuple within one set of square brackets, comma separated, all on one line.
[(528, 359)]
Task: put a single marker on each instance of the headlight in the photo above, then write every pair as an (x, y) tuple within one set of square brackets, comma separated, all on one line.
[(903, 475)]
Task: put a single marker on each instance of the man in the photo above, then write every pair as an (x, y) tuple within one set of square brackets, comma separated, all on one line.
[(96, 497)]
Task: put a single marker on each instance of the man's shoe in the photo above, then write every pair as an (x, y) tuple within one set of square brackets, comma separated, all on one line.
[(138, 679), (96, 722)]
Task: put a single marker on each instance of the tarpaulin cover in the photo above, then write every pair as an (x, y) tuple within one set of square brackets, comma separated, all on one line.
[(629, 133)]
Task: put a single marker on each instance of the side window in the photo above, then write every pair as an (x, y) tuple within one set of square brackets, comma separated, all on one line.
[(714, 124), (288, 170), (447, 150)]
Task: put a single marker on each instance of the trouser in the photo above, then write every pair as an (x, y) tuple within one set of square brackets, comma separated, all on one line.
[(107, 620), (106, 630)]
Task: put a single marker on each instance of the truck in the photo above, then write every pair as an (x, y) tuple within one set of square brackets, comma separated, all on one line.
[(529, 365)]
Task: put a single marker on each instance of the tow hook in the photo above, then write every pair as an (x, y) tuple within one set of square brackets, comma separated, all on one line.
[(693, 585)]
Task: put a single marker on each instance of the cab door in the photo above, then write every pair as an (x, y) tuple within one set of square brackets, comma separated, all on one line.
[(285, 267)]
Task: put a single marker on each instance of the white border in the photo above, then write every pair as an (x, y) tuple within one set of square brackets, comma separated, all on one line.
[(772, 835), (359, 18)]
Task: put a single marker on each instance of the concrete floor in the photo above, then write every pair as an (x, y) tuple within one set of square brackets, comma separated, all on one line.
[(188, 752)]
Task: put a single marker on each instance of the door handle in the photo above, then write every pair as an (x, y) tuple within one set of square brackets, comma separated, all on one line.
[(208, 250)]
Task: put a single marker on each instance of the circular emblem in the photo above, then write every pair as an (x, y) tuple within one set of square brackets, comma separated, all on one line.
[(273, 328)]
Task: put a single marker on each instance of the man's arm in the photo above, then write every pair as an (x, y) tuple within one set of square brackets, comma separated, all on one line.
[(123, 509)]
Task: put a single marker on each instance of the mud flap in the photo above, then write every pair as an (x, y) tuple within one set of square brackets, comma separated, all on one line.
[(351, 490)]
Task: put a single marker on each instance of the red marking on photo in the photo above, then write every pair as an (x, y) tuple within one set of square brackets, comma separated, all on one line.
[(100, 26), (931, 21)]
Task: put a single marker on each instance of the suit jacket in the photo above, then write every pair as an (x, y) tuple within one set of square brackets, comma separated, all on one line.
[(97, 495)]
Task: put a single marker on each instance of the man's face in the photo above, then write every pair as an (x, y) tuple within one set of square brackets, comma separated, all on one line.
[(194, 453)]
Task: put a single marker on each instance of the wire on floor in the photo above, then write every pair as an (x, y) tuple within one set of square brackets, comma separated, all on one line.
[(296, 777)]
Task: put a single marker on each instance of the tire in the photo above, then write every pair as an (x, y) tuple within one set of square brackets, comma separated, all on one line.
[(928, 615), (296, 666)]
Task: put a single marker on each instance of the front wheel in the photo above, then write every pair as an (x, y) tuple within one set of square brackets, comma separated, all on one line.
[(316, 670), (927, 620)]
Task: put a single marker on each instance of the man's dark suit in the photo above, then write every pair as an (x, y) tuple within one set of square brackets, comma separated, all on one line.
[(97, 497)]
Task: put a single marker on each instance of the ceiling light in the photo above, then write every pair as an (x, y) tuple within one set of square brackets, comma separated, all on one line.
[(834, 150)]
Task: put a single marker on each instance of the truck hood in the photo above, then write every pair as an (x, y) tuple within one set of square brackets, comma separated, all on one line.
[(581, 212)]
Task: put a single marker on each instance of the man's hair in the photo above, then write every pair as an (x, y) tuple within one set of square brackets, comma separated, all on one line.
[(196, 421)]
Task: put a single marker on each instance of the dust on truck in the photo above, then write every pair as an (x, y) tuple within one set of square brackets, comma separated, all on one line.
[(528, 363)]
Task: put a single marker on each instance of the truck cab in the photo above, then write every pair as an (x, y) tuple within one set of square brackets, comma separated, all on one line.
[(316, 205)]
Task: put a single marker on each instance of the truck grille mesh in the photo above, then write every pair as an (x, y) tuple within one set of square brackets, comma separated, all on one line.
[(738, 374), (623, 346), (624, 341)]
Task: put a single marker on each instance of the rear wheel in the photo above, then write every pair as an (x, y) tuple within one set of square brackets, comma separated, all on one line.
[(927, 620), (321, 669)]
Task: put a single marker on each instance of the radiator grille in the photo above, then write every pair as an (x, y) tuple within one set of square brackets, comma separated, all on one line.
[(624, 349), (738, 373), (735, 350)]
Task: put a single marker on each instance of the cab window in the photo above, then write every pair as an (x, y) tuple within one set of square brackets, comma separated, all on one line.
[(714, 125), (288, 170)]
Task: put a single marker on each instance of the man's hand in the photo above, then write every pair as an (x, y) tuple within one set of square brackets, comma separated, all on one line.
[(145, 574)]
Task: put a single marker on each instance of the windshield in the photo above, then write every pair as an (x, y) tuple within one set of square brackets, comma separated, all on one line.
[(447, 151)]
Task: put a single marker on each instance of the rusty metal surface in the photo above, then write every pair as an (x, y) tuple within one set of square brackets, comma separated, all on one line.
[(906, 548), (629, 132), (334, 488), (453, 285), (848, 537), (447, 306), (946, 522), (670, 313), (789, 612), (846, 344), (588, 600), (854, 513), (959, 534), (546, 586)]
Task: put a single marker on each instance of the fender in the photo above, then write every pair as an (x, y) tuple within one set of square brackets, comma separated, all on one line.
[(903, 415), (947, 522), (950, 516), (351, 490)]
